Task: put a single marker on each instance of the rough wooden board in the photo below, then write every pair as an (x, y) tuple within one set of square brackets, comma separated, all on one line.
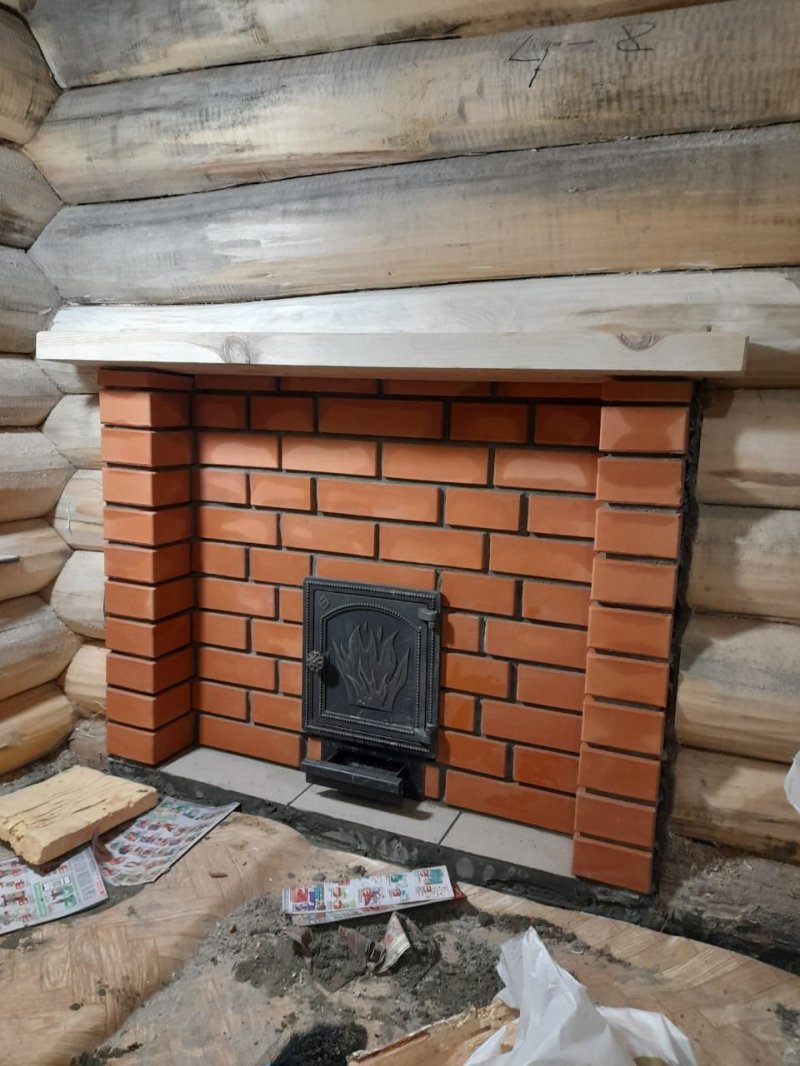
[(696, 200), (28, 301), (27, 91), (39, 552), (32, 723), (34, 645), (32, 474), (44, 821), (27, 203), (446, 1043), (79, 512), (27, 394), (738, 687), (74, 428), (97, 41), (77, 595), (745, 561), (724, 65), (725, 1002), (762, 304), (84, 680), (504, 355), (728, 799)]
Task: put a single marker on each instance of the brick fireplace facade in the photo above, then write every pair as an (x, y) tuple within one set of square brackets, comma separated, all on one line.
[(548, 515)]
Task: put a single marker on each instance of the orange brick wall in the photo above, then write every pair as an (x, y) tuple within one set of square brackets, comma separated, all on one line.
[(548, 516)]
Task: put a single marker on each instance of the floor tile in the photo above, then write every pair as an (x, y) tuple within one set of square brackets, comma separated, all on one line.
[(519, 844), (421, 821), (251, 777)]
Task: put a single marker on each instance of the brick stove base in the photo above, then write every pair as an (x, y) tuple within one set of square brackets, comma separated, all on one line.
[(549, 516)]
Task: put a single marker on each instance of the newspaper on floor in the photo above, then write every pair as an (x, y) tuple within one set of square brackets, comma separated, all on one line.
[(335, 901), (149, 845), (31, 895)]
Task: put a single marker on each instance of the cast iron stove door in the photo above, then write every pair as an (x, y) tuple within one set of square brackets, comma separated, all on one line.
[(371, 669)]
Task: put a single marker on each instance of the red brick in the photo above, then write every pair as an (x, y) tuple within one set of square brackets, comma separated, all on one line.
[(630, 776), (547, 769), (220, 486), (644, 429), (461, 631), (147, 527), (411, 577), (473, 673), (281, 490), (219, 412), (147, 565), (543, 601), (479, 592), (139, 447), (436, 462), (381, 418), (219, 699), (223, 630), (236, 668), (625, 532), (432, 782), (148, 712), (610, 725), (563, 560), (237, 449), (149, 639), (551, 390), (236, 597), (647, 391), (313, 748), (282, 712), (438, 547), (290, 605), (651, 481), (148, 675), (505, 799), (634, 584), (482, 509), (283, 639), (226, 560), (108, 377), (562, 516), (282, 413), (290, 677), (531, 725), (506, 423), (338, 535), (297, 383), (436, 387), (149, 602), (612, 864), (567, 424), (244, 383), (150, 747), (535, 643), (146, 488), (279, 567), (630, 680), (472, 753), (254, 740), (547, 470), (410, 503), (358, 458), (615, 819), (231, 523), (457, 711), (631, 632), (550, 688), (157, 410)]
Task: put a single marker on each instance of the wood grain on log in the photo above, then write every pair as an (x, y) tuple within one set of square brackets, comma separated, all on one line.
[(710, 200), (27, 203), (77, 594), (738, 688), (727, 799), (28, 301), (35, 645), (257, 122), (94, 41), (31, 555), (70, 378), (84, 680), (32, 474), (27, 394), (73, 426), (745, 561), (32, 723), (27, 90), (79, 512)]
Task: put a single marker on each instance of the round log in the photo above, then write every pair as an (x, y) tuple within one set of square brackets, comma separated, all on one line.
[(33, 723), (27, 395), (79, 511), (74, 427), (77, 595), (27, 90), (32, 474), (31, 555), (70, 378), (28, 301), (27, 203), (35, 645), (84, 680)]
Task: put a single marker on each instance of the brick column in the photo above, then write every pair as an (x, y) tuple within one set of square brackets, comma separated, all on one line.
[(640, 484), (147, 451)]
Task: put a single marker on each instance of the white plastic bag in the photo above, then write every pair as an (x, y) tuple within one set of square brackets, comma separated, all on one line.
[(560, 1026), (791, 783)]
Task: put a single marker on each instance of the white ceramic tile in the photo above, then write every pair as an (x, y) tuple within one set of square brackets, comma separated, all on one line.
[(420, 821), (510, 842), (251, 777)]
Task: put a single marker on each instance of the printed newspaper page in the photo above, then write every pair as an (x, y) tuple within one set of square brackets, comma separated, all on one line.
[(333, 901), (31, 895)]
